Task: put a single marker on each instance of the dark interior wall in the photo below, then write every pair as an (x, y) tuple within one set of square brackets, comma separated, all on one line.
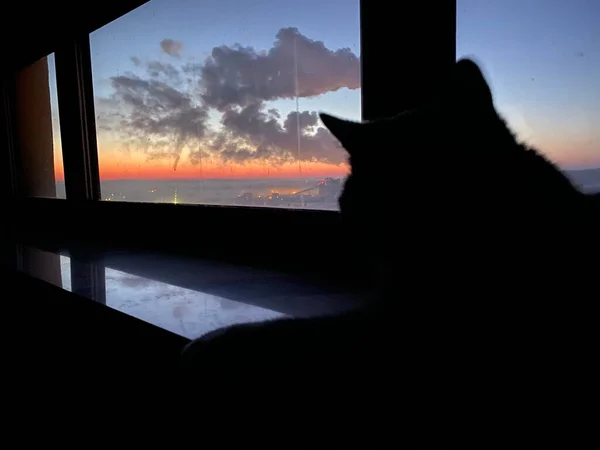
[(76, 372), (34, 130), (31, 30)]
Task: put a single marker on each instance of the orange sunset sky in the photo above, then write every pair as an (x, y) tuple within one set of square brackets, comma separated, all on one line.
[(131, 165), (117, 163)]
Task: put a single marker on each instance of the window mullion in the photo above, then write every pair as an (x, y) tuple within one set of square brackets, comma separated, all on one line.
[(77, 119), (408, 50)]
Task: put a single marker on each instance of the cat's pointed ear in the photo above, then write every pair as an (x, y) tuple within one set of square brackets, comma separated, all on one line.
[(345, 131), (469, 86)]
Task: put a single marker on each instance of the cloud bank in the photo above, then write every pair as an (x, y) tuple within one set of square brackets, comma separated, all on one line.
[(167, 108)]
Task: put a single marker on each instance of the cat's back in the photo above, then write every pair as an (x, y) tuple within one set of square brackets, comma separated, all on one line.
[(288, 346), (361, 374)]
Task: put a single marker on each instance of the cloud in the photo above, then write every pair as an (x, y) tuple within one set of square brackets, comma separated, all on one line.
[(159, 118), (240, 75), (164, 108), (171, 47), (298, 138)]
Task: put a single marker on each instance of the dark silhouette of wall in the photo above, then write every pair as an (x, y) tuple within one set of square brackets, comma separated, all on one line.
[(37, 28), (73, 368), (34, 130)]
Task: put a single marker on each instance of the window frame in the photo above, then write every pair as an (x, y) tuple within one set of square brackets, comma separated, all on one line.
[(83, 218)]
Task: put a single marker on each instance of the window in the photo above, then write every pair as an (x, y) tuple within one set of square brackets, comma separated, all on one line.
[(216, 102), (543, 64), (38, 130), (381, 69)]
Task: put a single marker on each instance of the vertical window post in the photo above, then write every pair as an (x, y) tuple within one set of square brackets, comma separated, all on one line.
[(88, 278), (7, 143), (80, 149), (407, 54), (77, 120)]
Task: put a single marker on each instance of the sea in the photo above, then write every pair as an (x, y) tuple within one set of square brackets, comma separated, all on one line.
[(305, 193)]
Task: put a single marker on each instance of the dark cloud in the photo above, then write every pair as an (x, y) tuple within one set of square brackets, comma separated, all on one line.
[(156, 69), (294, 65), (171, 47), (165, 108), (109, 113), (159, 118), (298, 138)]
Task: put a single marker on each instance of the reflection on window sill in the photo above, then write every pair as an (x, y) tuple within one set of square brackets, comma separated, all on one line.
[(245, 294)]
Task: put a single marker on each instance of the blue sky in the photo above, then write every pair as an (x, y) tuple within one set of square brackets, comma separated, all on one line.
[(203, 25), (542, 57)]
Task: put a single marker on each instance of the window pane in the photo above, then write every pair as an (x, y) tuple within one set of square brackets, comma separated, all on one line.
[(38, 129), (543, 64), (216, 102)]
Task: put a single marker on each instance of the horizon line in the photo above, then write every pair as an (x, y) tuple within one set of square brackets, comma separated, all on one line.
[(284, 177), (216, 178)]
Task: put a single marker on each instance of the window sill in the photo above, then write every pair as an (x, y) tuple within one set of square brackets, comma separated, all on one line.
[(184, 295), (305, 242)]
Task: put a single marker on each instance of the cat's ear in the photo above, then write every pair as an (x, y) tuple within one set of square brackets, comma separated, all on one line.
[(345, 131), (469, 87)]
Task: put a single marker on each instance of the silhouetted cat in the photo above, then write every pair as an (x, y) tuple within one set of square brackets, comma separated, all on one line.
[(480, 243), (433, 187)]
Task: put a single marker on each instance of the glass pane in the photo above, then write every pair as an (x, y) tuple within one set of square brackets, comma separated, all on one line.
[(38, 129), (216, 102), (543, 64)]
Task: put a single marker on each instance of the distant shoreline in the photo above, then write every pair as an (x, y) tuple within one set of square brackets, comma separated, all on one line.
[(311, 177), (287, 178)]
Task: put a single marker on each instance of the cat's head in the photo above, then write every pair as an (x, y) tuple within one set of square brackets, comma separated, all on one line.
[(409, 162), (452, 162)]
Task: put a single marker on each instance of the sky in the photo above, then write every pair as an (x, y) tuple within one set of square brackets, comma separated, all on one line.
[(191, 89), (542, 60)]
